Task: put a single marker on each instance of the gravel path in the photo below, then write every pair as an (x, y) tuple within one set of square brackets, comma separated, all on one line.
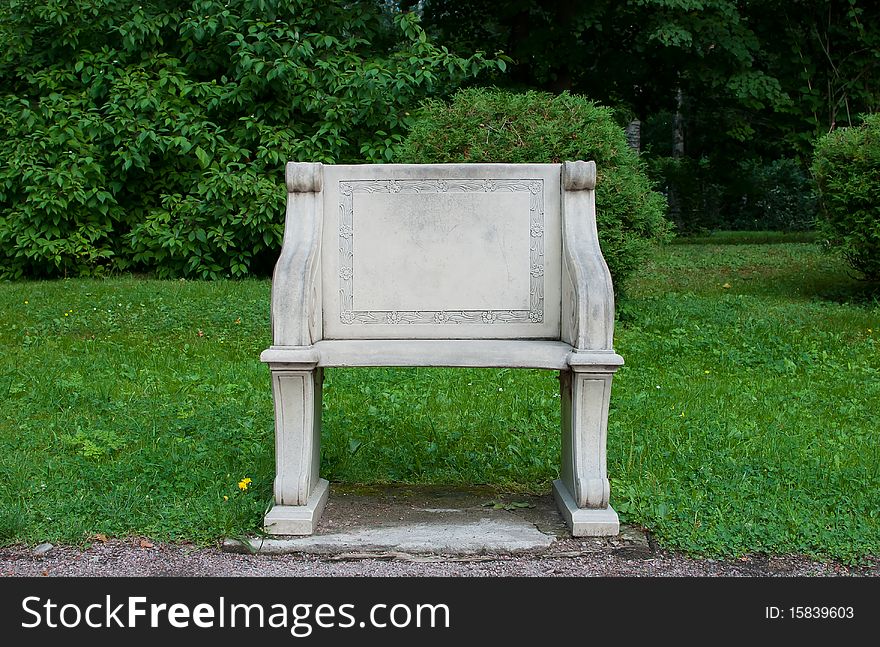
[(137, 557)]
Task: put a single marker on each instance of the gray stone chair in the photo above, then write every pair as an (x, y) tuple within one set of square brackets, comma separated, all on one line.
[(475, 265)]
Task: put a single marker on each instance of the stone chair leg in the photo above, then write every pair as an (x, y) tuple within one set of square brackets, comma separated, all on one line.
[(300, 494), (582, 491)]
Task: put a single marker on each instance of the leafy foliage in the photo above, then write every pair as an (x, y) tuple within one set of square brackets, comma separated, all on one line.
[(481, 125), (154, 136), (631, 54), (759, 81), (847, 169), (826, 55)]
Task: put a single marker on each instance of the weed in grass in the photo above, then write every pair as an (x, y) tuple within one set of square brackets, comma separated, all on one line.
[(508, 505)]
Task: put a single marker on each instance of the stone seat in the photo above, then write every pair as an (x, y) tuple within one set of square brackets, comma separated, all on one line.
[(463, 353), (457, 265)]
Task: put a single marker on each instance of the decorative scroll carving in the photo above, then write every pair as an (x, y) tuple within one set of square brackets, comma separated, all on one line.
[(303, 177), (579, 176), (592, 308), (295, 303), (534, 314)]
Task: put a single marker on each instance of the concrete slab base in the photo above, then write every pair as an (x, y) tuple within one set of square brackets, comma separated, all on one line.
[(585, 522), (451, 533), (298, 519), (437, 523)]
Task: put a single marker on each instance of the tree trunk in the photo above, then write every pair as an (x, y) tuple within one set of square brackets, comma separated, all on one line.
[(634, 135), (678, 126), (672, 193)]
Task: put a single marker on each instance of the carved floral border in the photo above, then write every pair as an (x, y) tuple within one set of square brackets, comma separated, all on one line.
[(535, 313)]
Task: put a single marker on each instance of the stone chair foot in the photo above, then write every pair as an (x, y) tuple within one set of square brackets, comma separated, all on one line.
[(585, 522), (298, 519)]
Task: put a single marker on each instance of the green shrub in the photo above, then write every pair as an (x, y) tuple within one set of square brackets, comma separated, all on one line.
[(846, 166), (773, 196), (695, 196), (749, 195), (154, 135), (488, 125)]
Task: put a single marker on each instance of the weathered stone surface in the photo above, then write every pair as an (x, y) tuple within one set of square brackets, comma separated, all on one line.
[(441, 251), (444, 535)]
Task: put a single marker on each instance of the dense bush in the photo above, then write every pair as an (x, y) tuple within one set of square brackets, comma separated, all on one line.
[(153, 135), (695, 197), (847, 169), (481, 125), (750, 195), (772, 196)]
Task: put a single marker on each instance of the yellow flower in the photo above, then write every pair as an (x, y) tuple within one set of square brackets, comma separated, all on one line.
[(225, 498), (243, 483)]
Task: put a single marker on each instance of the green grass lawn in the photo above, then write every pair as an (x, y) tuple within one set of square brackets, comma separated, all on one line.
[(745, 419)]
